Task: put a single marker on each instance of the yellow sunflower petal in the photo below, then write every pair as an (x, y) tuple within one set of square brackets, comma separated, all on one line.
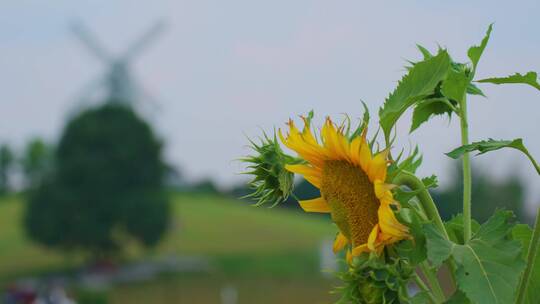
[(340, 242), (365, 156), (382, 191), (315, 205), (313, 153), (358, 250), (371, 242), (311, 174), (377, 168), (389, 224), (306, 133), (355, 150)]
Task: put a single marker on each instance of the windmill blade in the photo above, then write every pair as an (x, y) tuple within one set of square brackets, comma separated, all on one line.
[(90, 42), (144, 40)]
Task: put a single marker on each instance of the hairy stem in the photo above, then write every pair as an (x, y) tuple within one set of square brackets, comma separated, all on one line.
[(414, 183), (467, 182), (534, 246), (431, 276)]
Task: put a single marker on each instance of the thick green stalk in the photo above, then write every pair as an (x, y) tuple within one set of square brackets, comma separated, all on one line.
[(431, 276), (534, 246), (467, 182), (415, 184)]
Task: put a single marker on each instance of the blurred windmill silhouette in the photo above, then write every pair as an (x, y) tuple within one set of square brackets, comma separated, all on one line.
[(117, 85)]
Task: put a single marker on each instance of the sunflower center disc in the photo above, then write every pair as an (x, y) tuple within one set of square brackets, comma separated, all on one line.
[(352, 199)]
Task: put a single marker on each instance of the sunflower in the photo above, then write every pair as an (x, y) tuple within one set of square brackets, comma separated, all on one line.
[(352, 185)]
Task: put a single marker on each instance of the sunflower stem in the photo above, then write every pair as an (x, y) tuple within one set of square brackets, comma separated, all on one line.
[(534, 246), (414, 183), (467, 182), (431, 276)]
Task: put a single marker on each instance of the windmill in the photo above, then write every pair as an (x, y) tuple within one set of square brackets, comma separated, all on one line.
[(117, 85)]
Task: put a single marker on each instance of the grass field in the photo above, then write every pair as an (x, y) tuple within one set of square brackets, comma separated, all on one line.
[(251, 248)]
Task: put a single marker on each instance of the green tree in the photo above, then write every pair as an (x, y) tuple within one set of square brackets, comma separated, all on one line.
[(107, 186), (6, 164), (36, 162)]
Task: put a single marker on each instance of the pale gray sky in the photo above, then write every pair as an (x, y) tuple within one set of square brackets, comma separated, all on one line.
[(226, 68)]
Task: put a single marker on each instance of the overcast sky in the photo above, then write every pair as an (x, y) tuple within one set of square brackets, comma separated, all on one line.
[(225, 69)]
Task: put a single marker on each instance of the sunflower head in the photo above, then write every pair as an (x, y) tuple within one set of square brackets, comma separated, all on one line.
[(371, 280), (352, 182), (271, 182)]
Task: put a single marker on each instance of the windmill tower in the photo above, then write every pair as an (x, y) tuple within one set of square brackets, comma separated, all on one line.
[(117, 85)]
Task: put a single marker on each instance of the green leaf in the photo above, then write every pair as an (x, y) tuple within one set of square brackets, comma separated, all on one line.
[(531, 78), (522, 233), (474, 90), (475, 52), (425, 109), (416, 85), (439, 249), (409, 164), (492, 145), (455, 85), (458, 298), (424, 52), (454, 228), (430, 181), (414, 249), (488, 266)]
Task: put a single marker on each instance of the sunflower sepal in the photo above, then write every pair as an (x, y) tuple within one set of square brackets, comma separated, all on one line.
[(374, 279), (271, 183), (410, 164)]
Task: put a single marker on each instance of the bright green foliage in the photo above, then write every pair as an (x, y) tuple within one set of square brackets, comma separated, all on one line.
[(458, 298), (489, 265), (371, 280), (452, 89), (455, 85), (409, 164), (492, 145), (454, 227), (425, 109), (361, 126), (414, 249), (272, 183), (419, 83), (531, 78), (475, 52)]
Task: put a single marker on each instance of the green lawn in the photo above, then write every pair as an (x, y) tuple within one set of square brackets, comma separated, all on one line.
[(238, 237), (268, 255)]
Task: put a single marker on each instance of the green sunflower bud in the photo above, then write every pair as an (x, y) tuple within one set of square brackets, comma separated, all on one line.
[(271, 182), (370, 280)]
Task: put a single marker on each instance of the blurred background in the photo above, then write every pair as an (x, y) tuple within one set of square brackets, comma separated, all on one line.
[(121, 123)]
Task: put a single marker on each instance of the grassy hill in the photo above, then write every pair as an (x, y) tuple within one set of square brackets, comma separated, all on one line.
[(233, 233)]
